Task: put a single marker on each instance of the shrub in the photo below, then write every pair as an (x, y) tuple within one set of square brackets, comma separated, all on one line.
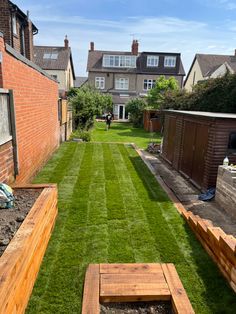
[(135, 107), (87, 102), (83, 135)]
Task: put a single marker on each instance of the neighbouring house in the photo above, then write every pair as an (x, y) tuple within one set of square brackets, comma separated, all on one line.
[(205, 66), (17, 28), (130, 74), (29, 124), (80, 81), (195, 143), (58, 62)]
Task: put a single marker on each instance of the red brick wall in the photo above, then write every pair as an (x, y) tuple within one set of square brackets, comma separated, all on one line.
[(37, 126), (6, 163)]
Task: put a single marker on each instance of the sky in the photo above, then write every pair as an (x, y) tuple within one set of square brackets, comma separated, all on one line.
[(184, 26)]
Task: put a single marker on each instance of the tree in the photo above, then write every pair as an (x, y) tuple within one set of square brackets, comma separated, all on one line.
[(156, 95), (135, 107), (88, 102)]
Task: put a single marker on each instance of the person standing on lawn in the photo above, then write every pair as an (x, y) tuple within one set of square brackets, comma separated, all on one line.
[(109, 117)]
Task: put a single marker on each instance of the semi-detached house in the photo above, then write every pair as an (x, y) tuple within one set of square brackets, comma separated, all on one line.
[(126, 75)]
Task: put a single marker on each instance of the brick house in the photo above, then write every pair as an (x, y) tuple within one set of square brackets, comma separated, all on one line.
[(17, 28), (130, 74), (29, 124)]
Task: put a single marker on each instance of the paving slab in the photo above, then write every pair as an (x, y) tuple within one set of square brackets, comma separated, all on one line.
[(188, 195)]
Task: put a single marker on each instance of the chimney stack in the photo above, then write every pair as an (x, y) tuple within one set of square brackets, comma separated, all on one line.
[(134, 48), (66, 42), (91, 46)]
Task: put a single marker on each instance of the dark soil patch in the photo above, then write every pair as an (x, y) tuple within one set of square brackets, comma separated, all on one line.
[(137, 308), (11, 219)]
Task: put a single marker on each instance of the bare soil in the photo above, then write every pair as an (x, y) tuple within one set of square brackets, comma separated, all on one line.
[(157, 307), (11, 219)]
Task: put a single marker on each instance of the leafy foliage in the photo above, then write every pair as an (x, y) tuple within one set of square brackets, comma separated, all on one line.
[(87, 102), (156, 95), (135, 107), (213, 95)]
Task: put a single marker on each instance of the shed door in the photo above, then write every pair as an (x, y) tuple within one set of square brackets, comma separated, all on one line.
[(171, 139), (200, 148), (188, 148)]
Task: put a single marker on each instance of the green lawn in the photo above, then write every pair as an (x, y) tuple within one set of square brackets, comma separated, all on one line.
[(111, 209), (123, 132)]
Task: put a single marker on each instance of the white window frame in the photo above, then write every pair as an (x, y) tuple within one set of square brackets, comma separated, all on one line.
[(152, 61), (50, 55), (150, 83), (122, 83), (100, 82), (119, 61), (5, 123), (170, 61)]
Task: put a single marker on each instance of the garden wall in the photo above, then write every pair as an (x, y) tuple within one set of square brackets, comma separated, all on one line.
[(6, 162), (20, 263), (226, 190), (36, 110)]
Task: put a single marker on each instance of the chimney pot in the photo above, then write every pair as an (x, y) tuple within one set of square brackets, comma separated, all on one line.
[(235, 52), (91, 46), (134, 47), (66, 42)]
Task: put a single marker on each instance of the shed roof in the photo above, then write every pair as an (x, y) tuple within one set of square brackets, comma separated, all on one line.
[(218, 115)]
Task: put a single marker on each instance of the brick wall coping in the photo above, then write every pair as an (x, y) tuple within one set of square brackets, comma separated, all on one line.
[(31, 64)]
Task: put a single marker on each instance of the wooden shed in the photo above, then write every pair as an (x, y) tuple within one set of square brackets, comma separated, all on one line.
[(196, 143), (152, 120)]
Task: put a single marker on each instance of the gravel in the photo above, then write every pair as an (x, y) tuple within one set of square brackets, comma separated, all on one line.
[(136, 308)]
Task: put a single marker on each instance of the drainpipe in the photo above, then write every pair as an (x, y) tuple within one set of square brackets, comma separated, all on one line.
[(13, 131)]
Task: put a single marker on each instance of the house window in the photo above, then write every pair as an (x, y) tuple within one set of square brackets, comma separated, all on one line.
[(14, 25), (5, 129), (152, 61), (100, 82), (122, 83), (170, 62), (54, 76), (148, 84), (119, 61), (50, 55)]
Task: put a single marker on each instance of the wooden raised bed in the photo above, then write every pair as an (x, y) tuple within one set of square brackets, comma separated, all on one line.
[(20, 263), (133, 283)]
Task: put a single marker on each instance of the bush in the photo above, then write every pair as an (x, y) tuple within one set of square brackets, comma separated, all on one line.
[(83, 135), (87, 102), (135, 107), (213, 95)]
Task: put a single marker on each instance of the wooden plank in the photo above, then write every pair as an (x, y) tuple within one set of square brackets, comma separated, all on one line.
[(163, 296), (180, 301), (20, 262), (91, 290), (134, 278), (227, 246), (130, 268)]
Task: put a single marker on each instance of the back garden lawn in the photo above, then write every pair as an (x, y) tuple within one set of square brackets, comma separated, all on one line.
[(111, 209), (123, 132)]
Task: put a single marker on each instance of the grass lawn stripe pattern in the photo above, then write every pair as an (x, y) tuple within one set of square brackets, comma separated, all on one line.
[(111, 209)]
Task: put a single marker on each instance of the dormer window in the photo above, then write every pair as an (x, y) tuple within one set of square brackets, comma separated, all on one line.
[(14, 25), (52, 56), (152, 61), (170, 61), (116, 61)]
